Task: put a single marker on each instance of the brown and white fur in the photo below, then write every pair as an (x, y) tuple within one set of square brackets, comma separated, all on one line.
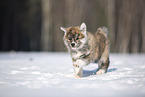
[(86, 47)]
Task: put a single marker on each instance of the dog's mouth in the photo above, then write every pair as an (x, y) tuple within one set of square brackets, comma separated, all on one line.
[(75, 44)]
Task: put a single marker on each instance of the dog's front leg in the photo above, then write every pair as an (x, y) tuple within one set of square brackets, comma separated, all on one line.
[(78, 64), (78, 72)]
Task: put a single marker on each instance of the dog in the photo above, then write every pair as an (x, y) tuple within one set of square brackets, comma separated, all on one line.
[(85, 47)]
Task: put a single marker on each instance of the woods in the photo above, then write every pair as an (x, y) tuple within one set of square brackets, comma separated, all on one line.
[(34, 25), (130, 23)]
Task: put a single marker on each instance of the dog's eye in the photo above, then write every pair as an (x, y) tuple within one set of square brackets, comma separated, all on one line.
[(70, 38), (77, 38)]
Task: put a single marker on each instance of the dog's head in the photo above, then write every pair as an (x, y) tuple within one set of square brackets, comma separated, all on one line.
[(75, 36)]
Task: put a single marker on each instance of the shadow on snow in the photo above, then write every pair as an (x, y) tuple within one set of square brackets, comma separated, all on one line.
[(87, 73)]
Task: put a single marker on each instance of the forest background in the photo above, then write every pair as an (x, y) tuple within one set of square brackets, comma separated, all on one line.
[(34, 25)]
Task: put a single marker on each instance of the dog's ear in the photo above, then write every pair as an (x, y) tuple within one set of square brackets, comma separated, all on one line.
[(83, 28), (63, 29)]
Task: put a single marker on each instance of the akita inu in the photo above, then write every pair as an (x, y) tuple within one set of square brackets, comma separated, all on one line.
[(86, 47)]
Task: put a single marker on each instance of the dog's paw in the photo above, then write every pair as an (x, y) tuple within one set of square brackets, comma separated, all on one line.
[(101, 71), (76, 65), (76, 76)]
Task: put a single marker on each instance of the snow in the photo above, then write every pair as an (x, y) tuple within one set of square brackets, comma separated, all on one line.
[(49, 74)]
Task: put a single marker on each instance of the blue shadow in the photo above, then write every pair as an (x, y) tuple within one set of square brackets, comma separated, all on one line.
[(87, 73)]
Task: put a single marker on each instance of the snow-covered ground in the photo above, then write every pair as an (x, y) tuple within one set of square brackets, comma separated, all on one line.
[(43, 74)]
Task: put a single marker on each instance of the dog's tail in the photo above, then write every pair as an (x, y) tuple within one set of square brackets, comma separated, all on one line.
[(103, 30)]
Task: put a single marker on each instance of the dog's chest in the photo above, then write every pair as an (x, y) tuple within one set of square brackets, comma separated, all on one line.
[(76, 54), (80, 54)]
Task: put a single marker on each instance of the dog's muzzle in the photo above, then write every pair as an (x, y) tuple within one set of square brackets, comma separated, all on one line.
[(72, 44)]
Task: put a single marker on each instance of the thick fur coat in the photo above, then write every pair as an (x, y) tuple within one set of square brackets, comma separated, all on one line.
[(85, 47)]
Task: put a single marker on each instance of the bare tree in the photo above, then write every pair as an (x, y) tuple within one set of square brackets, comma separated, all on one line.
[(46, 35), (128, 26), (35, 24)]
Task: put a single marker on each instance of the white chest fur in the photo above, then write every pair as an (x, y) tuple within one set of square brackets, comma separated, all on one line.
[(77, 55)]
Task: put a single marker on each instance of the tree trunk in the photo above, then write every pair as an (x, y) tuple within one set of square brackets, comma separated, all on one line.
[(46, 35)]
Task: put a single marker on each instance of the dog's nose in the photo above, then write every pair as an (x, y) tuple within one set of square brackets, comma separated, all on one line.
[(73, 44)]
